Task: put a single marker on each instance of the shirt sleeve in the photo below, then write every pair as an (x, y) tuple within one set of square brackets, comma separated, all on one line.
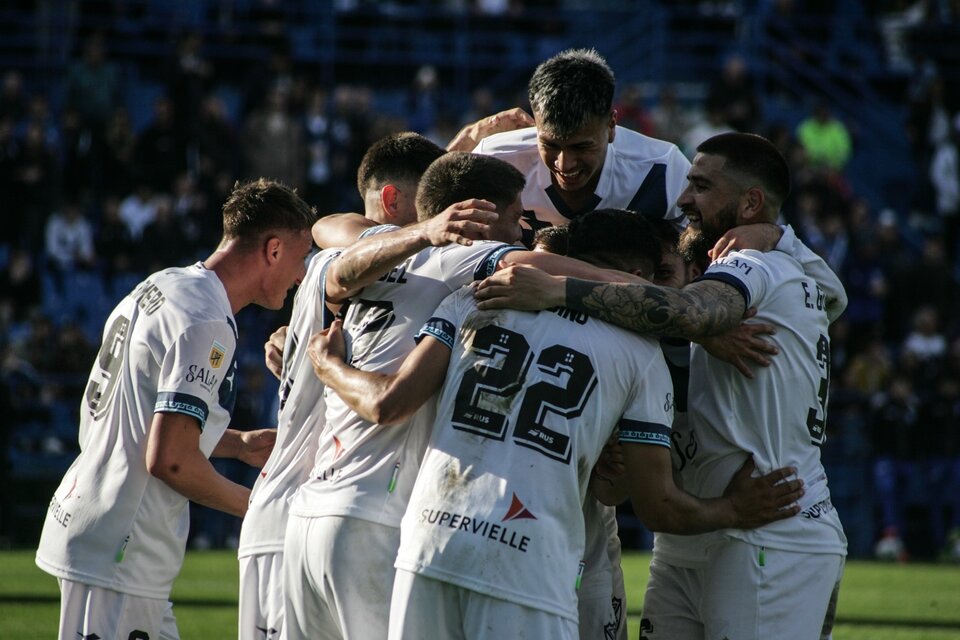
[(649, 414), (442, 325), (195, 368), (744, 271), (460, 265), (815, 267)]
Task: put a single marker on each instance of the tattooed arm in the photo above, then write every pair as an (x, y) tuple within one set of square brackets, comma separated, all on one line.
[(700, 309), (703, 308)]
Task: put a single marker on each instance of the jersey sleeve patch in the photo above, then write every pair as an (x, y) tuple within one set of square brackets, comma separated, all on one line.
[(173, 402), (730, 279), (488, 265), (442, 330), (643, 432)]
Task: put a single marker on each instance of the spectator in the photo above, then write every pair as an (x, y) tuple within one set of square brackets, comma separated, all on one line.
[(119, 154), (630, 111), (93, 85), (320, 190), (13, 103), (138, 210), (159, 153), (945, 178), (894, 420), (20, 287), (273, 142), (825, 139), (188, 79), (940, 417), (113, 243), (35, 187), (733, 94), (670, 119), (69, 240), (925, 341)]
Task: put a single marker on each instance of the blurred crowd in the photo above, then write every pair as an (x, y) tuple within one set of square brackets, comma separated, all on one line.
[(94, 203)]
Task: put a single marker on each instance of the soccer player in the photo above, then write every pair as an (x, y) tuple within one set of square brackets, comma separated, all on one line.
[(343, 530), (493, 537), (387, 178), (776, 581), (576, 158), (157, 405)]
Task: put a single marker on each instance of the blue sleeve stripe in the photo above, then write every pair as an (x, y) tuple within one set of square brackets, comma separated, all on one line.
[(173, 402), (644, 432), (488, 265), (438, 328), (734, 282)]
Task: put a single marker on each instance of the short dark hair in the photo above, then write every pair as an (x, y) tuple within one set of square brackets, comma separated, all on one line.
[(614, 235), (553, 239), (398, 157), (459, 175), (262, 206), (754, 157), (571, 88), (692, 248)]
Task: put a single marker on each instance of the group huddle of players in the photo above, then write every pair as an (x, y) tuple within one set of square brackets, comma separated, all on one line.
[(459, 414)]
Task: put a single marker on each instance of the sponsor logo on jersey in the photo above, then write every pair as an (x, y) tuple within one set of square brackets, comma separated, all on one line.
[(59, 513), (735, 263), (217, 353), (205, 377), (819, 509), (517, 511), (477, 527)]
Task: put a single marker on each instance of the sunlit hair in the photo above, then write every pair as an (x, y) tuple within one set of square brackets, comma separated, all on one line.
[(552, 239), (570, 89), (459, 175), (262, 206), (396, 158)]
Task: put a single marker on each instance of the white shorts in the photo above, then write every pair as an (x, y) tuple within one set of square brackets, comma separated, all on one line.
[(745, 592), (426, 608), (260, 615), (337, 577), (87, 612), (603, 609)]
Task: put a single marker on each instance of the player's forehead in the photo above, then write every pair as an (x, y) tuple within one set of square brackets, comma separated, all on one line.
[(589, 131), (705, 168)]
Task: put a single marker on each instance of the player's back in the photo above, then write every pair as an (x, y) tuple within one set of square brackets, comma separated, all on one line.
[(528, 402), (299, 420), (365, 470)]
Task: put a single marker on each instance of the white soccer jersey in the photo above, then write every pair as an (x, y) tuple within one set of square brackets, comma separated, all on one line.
[(779, 416), (168, 347), (639, 173), (299, 421), (364, 470), (528, 402)]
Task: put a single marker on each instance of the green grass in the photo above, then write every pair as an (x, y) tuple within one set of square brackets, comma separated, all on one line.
[(877, 601)]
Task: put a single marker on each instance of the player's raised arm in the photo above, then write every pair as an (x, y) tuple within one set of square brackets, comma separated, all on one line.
[(470, 136), (378, 398), (746, 503), (340, 229), (368, 259), (700, 309)]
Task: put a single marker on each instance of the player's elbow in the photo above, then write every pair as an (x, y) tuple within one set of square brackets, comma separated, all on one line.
[(162, 467)]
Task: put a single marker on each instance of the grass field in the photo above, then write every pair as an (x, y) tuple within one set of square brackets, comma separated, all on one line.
[(877, 601)]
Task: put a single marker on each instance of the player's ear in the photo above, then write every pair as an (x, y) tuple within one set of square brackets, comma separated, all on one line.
[(272, 249), (389, 196), (612, 125), (752, 203)]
